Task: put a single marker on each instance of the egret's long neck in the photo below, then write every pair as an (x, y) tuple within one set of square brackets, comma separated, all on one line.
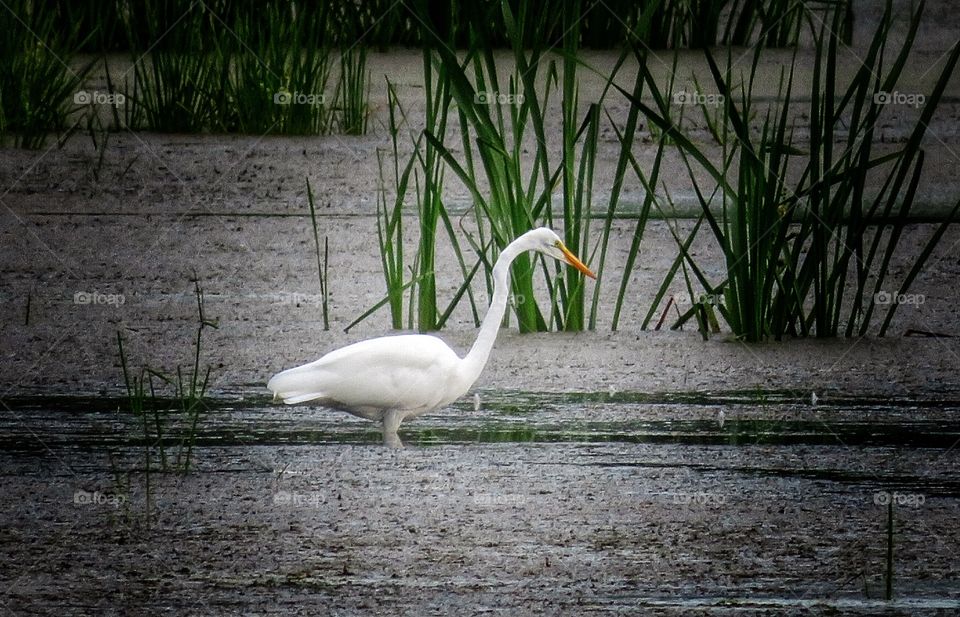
[(474, 361)]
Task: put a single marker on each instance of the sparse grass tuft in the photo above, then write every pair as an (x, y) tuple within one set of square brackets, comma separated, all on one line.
[(321, 263), (172, 420)]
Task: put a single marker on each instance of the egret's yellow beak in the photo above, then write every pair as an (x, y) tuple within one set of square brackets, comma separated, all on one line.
[(573, 261)]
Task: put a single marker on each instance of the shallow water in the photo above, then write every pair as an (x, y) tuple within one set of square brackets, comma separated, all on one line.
[(36, 423), (714, 503)]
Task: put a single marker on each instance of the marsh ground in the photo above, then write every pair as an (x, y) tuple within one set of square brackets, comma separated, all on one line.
[(600, 472)]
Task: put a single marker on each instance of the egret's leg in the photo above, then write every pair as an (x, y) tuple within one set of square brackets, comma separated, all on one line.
[(391, 423)]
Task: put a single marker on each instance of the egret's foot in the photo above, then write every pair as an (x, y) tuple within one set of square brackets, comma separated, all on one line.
[(391, 422), (392, 440)]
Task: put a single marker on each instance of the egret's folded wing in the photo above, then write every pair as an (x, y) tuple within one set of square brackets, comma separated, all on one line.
[(393, 372)]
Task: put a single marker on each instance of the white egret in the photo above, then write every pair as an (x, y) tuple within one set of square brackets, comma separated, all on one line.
[(392, 378)]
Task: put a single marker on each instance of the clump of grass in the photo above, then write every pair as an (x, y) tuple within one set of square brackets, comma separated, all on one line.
[(263, 71), (428, 176), (173, 92), (353, 91), (174, 83), (37, 83), (579, 155), (137, 401), (278, 72), (806, 257), (508, 165)]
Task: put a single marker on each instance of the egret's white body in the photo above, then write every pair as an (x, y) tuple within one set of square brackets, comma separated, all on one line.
[(392, 378)]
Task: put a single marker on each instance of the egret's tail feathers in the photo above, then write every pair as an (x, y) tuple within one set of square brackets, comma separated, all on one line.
[(295, 385), (292, 398)]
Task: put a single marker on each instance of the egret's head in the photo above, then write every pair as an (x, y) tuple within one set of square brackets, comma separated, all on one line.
[(546, 241)]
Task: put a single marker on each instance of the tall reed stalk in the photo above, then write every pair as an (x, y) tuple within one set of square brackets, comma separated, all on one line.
[(390, 216), (353, 91), (322, 263)]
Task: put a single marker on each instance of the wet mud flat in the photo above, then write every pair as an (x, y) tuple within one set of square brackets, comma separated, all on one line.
[(528, 504)]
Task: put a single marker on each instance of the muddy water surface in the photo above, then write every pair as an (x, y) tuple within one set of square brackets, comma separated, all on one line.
[(518, 503)]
